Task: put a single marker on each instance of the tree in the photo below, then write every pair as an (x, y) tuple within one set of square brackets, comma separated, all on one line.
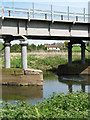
[(60, 45), (40, 47), (66, 44), (31, 47), (1, 47), (16, 48)]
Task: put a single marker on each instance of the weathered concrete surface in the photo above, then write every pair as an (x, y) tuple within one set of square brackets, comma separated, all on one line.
[(73, 69), (22, 77), (32, 72), (12, 71), (86, 71), (45, 29)]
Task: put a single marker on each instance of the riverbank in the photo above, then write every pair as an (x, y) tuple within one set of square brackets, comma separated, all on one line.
[(70, 105), (74, 69), (45, 60)]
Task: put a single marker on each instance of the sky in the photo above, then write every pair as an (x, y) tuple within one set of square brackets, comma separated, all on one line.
[(74, 3), (80, 3), (48, 0)]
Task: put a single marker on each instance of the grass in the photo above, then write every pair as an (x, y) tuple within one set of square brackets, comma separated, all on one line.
[(45, 61), (72, 105), (78, 48)]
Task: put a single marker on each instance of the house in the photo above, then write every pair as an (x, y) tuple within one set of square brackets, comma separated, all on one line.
[(52, 47)]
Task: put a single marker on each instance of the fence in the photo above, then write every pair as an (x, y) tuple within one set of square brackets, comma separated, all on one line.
[(49, 12)]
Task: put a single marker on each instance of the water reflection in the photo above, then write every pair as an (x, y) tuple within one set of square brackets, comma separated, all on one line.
[(22, 92), (75, 80), (52, 83)]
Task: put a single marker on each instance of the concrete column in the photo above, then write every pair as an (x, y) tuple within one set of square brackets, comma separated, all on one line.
[(7, 54), (83, 87), (83, 52), (70, 87), (24, 54), (69, 52)]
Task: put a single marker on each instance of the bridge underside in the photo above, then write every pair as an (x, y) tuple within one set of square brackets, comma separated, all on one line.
[(72, 39)]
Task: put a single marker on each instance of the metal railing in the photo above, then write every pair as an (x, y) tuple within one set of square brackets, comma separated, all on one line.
[(50, 14)]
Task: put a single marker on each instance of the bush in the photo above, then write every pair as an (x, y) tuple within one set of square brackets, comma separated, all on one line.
[(71, 105)]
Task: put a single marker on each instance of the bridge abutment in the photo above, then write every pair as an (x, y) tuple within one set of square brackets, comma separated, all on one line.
[(69, 52), (7, 54)]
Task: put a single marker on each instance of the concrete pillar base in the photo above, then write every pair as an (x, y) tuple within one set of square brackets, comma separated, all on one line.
[(22, 77), (7, 54)]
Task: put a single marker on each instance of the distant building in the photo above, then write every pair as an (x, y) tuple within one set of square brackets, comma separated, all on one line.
[(52, 47)]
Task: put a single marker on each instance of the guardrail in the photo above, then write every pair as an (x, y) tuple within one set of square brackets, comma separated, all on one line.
[(50, 14)]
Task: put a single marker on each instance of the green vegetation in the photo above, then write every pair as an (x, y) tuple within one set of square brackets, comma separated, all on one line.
[(38, 62), (1, 47), (13, 71), (71, 105), (17, 48), (16, 62), (45, 60), (45, 63), (78, 48)]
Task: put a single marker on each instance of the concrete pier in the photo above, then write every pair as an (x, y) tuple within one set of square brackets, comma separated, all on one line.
[(22, 77), (7, 54), (83, 52), (24, 54), (69, 52)]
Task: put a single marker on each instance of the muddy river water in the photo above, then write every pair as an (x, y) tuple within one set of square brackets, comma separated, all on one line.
[(52, 83)]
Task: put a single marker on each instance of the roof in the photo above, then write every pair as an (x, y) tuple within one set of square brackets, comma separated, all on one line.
[(51, 46)]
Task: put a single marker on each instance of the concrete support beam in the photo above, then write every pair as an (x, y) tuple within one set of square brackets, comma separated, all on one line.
[(83, 52), (24, 53), (69, 52), (7, 54)]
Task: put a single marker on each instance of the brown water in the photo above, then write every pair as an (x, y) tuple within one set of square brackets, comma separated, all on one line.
[(52, 83)]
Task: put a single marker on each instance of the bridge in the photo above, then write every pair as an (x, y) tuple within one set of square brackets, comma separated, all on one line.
[(22, 24)]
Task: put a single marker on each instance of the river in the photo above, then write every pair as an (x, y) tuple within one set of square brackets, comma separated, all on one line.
[(52, 83)]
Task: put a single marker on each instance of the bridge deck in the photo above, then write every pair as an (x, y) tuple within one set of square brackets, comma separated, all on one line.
[(48, 23)]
